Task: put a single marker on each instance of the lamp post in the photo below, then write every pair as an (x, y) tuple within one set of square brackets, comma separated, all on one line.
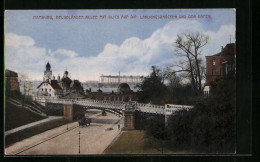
[(79, 142)]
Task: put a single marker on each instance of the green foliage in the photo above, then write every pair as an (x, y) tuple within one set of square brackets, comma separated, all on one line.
[(17, 116), (28, 87), (156, 128), (54, 109), (224, 90), (15, 137), (210, 125), (79, 112), (14, 94), (153, 89), (54, 112), (136, 142), (182, 95)]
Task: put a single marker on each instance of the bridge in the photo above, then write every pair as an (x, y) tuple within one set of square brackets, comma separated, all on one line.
[(127, 109)]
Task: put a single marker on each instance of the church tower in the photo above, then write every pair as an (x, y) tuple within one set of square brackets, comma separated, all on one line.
[(47, 72)]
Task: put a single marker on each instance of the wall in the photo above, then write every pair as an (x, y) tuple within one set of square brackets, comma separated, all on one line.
[(210, 67), (54, 109), (128, 120), (12, 84)]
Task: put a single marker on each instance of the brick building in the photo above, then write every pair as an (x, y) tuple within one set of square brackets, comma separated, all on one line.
[(11, 81), (220, 65)]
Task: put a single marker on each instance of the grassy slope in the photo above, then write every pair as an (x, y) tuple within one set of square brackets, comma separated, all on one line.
[(12, 138), (135, 142), (18, 116)]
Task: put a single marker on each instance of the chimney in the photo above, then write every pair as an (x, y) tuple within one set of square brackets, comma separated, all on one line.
[(53, 78), (58, 78), (221, 48), (89, 89)]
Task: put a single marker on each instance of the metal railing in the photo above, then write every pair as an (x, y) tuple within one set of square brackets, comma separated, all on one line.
[(147, 108)]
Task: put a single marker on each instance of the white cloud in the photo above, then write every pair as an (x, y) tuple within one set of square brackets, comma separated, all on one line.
[(21, 54), (18, 41), (65, 53), (134, 56)]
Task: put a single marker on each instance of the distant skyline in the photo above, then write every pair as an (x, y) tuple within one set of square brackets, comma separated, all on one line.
[(89, 47)]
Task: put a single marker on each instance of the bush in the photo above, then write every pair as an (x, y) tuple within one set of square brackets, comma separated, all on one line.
[(18, 136), (210, 125)]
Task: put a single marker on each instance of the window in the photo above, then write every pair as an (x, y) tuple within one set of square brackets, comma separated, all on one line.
[(214, 72), (46, 89), (42, 89), (50, 90), (214, 62)]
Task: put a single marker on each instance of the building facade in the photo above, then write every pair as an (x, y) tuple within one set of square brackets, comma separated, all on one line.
[(220, 65), (50, 88), (11, 81), (59, 88)]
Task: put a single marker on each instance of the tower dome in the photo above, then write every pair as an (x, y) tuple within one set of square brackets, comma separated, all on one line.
[(48, 66), (47, 72), (65, 75), (123, 88)]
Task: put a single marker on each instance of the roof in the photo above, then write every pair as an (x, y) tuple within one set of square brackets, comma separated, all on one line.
[(124, 85), (54, 84), (10, 73), (227, 50), (99, 91), (67, 79)]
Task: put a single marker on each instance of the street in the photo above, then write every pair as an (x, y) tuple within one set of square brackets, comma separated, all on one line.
[(94, 139)]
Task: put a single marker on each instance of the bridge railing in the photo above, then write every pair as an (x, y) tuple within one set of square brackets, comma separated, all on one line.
[(149, 108), (171, 108)]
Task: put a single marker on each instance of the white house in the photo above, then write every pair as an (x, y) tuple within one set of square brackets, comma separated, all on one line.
[(49, 88)]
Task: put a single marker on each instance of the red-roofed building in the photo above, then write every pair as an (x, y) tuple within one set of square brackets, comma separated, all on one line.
[(220, 65)]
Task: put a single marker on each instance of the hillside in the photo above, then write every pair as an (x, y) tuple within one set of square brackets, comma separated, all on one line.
[(17, 115)]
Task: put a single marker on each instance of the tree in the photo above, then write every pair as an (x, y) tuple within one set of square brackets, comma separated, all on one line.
[(171, 78), (189, 46), (28, 87), (156, 128), (210, 125), (152, 88)]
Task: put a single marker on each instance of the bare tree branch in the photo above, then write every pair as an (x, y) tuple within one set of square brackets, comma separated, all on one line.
[(189, 45)]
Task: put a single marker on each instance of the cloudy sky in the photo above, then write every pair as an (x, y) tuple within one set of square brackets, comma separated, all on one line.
[(88, 48)]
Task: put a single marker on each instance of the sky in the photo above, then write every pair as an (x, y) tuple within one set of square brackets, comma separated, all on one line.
[(107, 41)]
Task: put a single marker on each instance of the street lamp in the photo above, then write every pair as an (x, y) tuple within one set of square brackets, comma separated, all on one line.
[(79, 142)]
